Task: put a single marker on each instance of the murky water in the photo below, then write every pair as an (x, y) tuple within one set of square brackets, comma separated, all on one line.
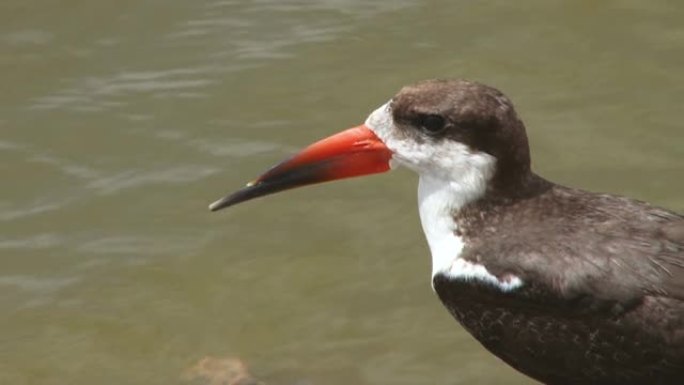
[(120, 121)]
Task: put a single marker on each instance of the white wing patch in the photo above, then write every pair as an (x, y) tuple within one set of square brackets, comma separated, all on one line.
[(468, 271)]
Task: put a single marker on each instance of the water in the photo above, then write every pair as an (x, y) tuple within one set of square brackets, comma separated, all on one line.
[(121, 121)]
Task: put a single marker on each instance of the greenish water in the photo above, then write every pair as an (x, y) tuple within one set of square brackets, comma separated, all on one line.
[(120, 121)]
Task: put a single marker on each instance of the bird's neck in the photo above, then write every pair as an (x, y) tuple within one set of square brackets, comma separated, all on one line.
[(443, 204), (438, 199)]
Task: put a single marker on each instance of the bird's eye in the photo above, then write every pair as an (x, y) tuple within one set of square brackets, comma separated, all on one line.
[(431, 124)]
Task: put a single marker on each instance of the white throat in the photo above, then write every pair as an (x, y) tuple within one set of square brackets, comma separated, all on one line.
[(437, 202), (451, 176)]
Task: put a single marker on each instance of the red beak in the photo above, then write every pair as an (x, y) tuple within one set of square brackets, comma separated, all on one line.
[(353, 152)]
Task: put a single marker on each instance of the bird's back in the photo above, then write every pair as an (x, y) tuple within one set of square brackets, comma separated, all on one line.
[(603, 294)]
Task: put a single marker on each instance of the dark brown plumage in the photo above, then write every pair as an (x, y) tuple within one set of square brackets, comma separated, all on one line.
[(603, 300)]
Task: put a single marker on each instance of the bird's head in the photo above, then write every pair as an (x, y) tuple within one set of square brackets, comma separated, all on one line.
[(460, 132)]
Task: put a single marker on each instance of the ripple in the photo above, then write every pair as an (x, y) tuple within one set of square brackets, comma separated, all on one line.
[(36, 284), (136, 178), (268, 30), (144, 245), (12, 213), (98, 93), (38, 241), (6, 145), (230, 147), (29, 37), (235, 148), (43, 156), (67, 167)]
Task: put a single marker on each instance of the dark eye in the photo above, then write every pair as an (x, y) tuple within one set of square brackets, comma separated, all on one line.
[(432, 124)]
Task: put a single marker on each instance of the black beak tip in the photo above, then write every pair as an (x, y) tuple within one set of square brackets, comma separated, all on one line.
[(218, 205), (276, 180), (251, 191), (229, 200)]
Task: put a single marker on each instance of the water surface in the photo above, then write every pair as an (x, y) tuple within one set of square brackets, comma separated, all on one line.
[(120, 122)]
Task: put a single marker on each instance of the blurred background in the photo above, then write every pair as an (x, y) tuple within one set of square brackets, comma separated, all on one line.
[(120, 121)]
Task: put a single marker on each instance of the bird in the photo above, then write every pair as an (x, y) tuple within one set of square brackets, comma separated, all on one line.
[(564, 285)]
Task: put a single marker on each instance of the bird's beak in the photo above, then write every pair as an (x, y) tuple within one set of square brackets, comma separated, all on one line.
[(353, 152)]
